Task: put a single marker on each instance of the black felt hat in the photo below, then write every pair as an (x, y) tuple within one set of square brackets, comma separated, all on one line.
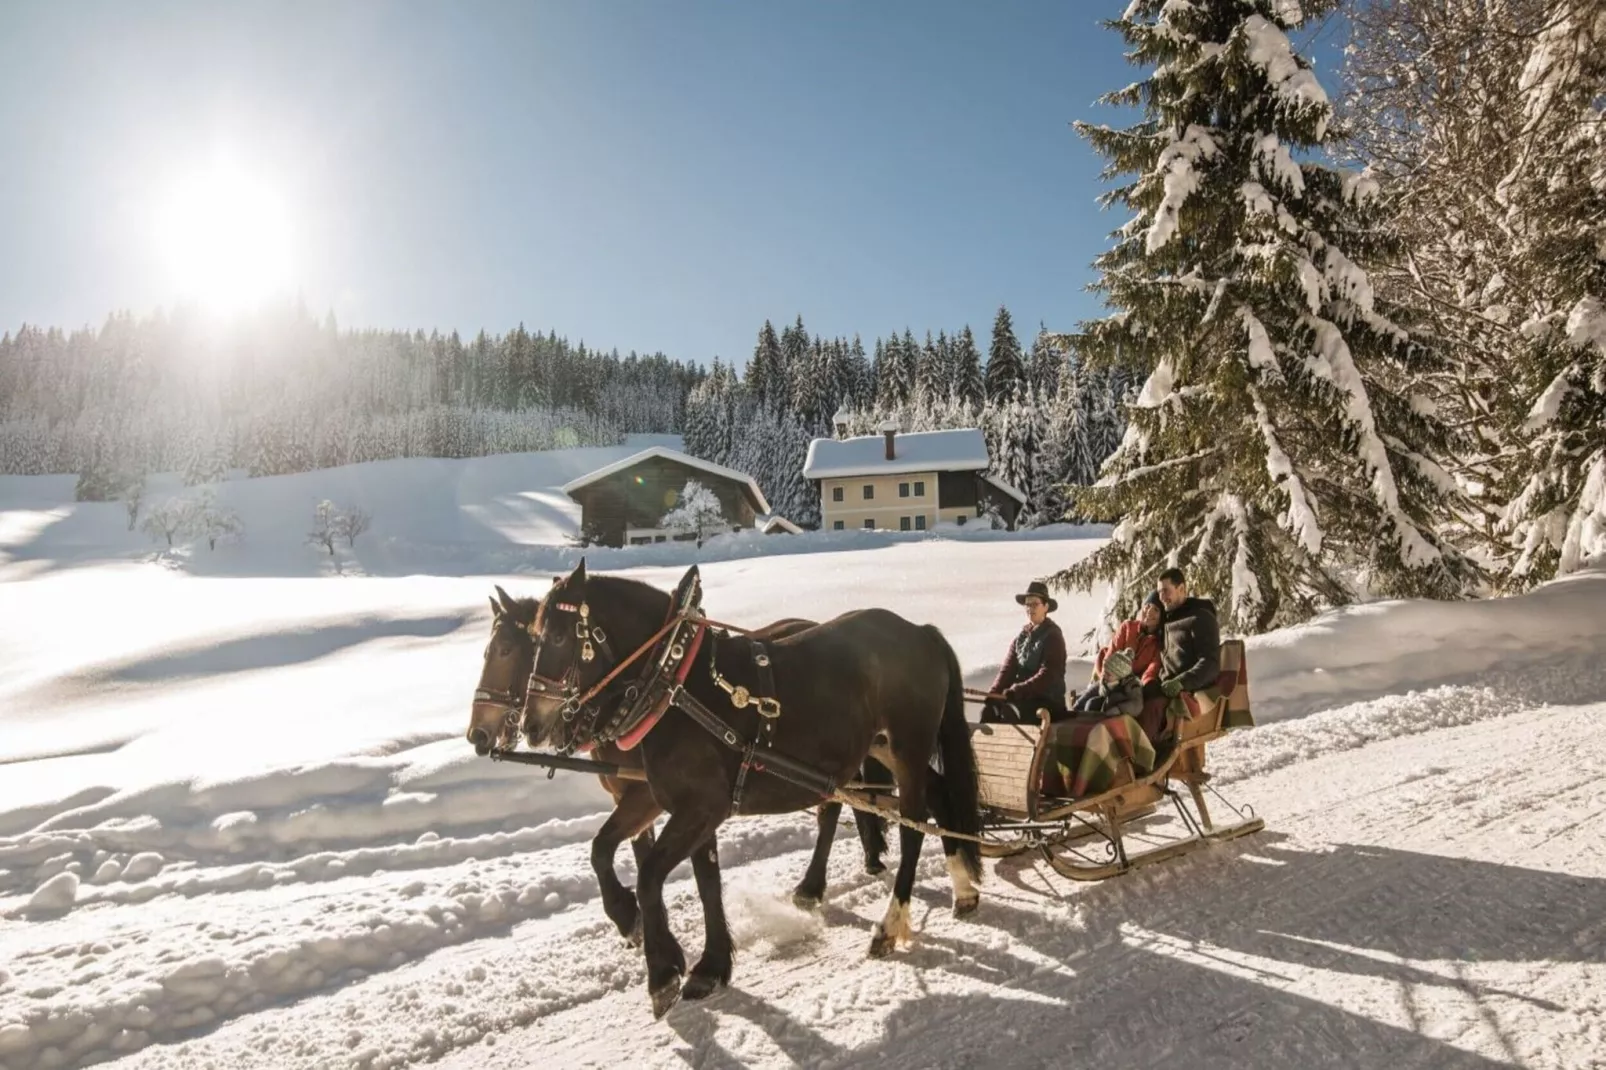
[(1037, 589)]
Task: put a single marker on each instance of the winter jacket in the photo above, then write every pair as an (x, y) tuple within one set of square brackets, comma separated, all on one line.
[(1126, 696), (1145, 649), (1034, 668), (1192, 645)]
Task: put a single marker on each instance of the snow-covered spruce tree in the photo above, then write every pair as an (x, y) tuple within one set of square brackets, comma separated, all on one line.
[(1062, 460), (1482, 123), (1043, 364), (968, 381), (1006, 371), (1275, 451), (1555, 201), (766, 372)]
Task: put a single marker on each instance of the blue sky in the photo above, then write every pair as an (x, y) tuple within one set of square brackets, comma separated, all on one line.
[(640, 174)]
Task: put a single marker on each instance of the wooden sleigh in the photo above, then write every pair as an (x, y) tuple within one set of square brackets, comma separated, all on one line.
[(1087, 838)]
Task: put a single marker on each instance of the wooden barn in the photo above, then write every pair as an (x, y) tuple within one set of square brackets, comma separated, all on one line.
[(623, 504)]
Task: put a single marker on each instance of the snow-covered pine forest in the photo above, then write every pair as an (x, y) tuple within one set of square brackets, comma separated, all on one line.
[(1048, 419), (282, 392), (1370, 327)]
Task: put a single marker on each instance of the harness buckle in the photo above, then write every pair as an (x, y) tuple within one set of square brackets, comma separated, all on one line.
[(769, 708)]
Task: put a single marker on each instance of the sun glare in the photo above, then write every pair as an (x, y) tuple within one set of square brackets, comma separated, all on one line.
[(224, 237)]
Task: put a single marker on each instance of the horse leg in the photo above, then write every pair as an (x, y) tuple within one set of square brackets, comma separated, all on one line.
[(666, 962), (966, 897), (811, 889), (713, 970), (894, 929), (872, 827), (632, 817)]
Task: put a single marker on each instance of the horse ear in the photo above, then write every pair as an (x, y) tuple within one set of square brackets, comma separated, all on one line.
[(508, 605), (496, 610), (578, 576)]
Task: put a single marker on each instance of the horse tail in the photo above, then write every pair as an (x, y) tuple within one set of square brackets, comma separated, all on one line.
[(958, 782)]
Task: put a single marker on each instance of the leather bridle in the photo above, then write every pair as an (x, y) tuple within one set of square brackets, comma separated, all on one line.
[(680, 634)]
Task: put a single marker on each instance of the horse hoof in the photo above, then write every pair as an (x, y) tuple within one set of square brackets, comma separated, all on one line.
[(964, 908), (874, 867), (806, 901), (881, 943), (701, 986), (665, 996)]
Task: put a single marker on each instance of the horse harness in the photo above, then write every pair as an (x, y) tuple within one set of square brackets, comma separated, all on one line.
[(661, 684)]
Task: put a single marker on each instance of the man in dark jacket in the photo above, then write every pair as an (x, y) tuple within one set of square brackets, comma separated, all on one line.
[(1190, 650), (1033, 674)]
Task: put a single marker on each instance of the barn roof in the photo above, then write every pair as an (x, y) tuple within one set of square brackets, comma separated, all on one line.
[(767, 523), (760, 504), (1006, 488), (957, 450)]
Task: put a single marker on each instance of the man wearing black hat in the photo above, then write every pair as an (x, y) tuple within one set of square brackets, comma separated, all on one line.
[(1033, 674)]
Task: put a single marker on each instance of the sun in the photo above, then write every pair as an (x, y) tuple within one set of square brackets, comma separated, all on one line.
[(224, 237)]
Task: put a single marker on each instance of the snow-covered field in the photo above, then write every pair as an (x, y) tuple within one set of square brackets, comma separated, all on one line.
[(239, 825)]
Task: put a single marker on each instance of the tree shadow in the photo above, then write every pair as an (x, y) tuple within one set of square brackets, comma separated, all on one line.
[(268, 650), (1211, 964)]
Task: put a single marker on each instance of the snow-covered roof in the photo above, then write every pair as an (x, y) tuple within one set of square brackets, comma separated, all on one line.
[(767, 524), (958, 450), (760, 503), (1005, 487)]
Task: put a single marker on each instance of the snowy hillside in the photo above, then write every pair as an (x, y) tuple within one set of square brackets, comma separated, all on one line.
[(239, 825)]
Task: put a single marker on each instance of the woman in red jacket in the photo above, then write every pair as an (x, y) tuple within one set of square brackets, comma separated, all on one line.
[(1141, 635)]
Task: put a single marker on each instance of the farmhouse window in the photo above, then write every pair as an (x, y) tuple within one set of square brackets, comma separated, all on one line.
[(836, 494), (920, 488), (869, 491), (903, 490), (869, 525), (836, 525), (903, 523), (920, 522)]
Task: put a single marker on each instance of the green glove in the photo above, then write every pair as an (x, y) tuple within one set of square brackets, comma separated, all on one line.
[(1172, 687)]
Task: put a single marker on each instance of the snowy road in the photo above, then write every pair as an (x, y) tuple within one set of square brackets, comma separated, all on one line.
[(1432, 900)]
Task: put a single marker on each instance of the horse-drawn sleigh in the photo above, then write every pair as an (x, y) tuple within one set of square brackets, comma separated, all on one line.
[(704, 721)]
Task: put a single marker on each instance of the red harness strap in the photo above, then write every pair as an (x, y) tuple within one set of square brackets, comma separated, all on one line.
[(629, 740)]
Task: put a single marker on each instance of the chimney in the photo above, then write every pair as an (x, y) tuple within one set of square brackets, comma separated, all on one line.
[(890, 430)]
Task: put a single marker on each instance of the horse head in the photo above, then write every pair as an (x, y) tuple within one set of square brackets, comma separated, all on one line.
[(586, 626), (509, 657)]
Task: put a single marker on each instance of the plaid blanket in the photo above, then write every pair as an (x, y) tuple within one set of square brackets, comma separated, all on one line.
[(1232, 682), (1087, 757)]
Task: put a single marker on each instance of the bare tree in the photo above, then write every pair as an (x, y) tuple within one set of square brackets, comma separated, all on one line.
[(352, 522), (169, 520), (214, 522), (698, 510), (325, 526), (133, 496)]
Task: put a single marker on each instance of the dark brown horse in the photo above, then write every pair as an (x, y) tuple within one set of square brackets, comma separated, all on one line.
[(867, 679), (509, 658)]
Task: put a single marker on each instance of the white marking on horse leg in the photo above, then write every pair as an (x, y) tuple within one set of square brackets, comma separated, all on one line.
[(896, 923), (964, 890)]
